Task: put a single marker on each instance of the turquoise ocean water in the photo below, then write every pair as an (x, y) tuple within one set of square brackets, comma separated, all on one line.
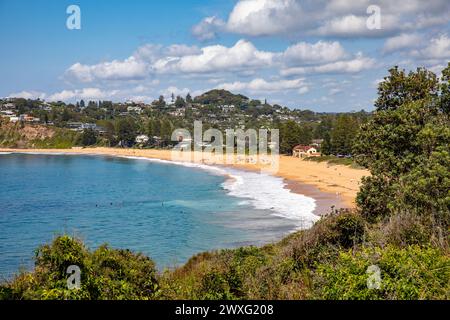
[(169, 212)]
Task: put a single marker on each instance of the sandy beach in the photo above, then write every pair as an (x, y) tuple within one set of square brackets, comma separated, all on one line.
[(329, 185)]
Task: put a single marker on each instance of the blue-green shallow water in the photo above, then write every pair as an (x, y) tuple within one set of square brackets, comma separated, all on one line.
[(166, 211)]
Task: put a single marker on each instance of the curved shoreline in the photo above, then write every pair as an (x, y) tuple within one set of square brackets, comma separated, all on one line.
[(327, 185)]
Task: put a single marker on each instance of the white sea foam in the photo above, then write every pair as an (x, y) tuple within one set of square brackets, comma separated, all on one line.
[(262, 191), (5, 152), (268, 192)]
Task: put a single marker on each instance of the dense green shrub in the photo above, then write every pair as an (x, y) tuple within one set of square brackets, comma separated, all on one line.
[(105, 274), (412, 272), (62, 139), (343, 229), (214, 286), (87, 138)]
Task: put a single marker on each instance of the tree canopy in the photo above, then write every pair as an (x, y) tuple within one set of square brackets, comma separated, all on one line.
[(406, 146)]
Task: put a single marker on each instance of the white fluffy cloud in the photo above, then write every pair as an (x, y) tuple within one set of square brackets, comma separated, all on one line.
[(401, 42), (343, 18), (128, 69), (175, 59), (207, 29), (437, 49), (216, 58), (254, 18), (167, 93), (355, 65), (181, 50), (28, 95), (310, 53), (85, 93), (264, 17), (346, 25), (260, 85), (242, 57)]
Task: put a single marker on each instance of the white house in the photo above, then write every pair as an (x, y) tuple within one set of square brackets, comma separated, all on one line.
[(227, 108), (302, 151), (13, 119), (8, 113), (137, 110)]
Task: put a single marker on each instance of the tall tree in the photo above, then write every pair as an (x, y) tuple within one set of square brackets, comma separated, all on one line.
[(166, 130), (292, 134), (179, 102), (343, 134), (188, 98), (126, 131), (445, 90), (399, 88), (161, 102), (65, 116), (326, 148), (88, 137), (406, 146)]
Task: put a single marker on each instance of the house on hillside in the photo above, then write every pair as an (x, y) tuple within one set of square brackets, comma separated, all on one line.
[(178, 112), (9, 106), (80, 126), (302, 151), (28, 118), (132, 109), (11, 117), (227, 108), (7, 113)]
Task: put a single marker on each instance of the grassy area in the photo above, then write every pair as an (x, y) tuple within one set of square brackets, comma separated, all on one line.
[(333, 160)]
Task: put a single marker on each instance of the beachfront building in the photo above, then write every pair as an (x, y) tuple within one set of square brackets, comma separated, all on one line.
[(302, 151), (28, 118)]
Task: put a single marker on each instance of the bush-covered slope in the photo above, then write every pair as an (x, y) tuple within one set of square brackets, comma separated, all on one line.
[(19, 135), (329, 261)]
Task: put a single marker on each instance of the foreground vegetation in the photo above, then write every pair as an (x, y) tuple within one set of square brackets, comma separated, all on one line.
[(400, 227), (329, 261)]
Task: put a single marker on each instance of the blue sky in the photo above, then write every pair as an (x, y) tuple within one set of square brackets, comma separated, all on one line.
[(317, 55)]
